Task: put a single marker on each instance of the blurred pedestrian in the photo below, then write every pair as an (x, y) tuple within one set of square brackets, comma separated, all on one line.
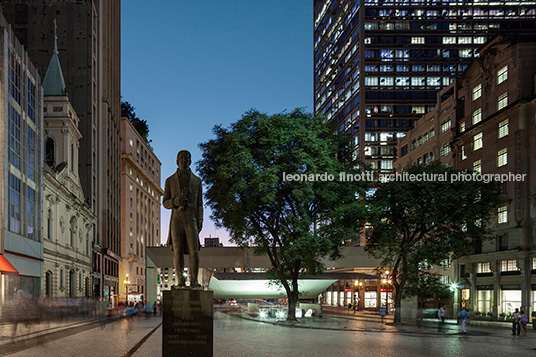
[(154, 308), (523, 321), (441, 314), (462, 317), (419, 315), (516, 328)]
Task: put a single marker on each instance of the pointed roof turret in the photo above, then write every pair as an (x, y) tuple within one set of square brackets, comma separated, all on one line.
[(54, 84)]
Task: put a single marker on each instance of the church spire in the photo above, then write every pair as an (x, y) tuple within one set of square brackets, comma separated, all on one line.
[(54, 84)]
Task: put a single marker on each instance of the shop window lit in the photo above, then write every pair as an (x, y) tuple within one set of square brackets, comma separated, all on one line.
[(477, 92), (503, 128), (484, 298), (477, 166), (502, 214), (502, 157), (502, 74), (477, 141), (502, 101), (477, 116)]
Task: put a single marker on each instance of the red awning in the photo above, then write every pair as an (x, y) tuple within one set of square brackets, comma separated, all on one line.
[(6, 268)]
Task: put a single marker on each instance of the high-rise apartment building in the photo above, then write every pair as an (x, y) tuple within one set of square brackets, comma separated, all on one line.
[(140, 211), (378, 64), (89, 45)]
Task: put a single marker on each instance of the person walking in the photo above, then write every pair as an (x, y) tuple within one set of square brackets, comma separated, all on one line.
[(462, 317), (516, 328), (419, 315), (523, 321), (441, 314)]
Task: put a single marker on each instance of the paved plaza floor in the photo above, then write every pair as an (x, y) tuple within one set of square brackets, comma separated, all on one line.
[(238, 334)]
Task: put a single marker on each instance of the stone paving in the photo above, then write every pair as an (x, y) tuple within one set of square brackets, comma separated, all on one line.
[(239, 334)]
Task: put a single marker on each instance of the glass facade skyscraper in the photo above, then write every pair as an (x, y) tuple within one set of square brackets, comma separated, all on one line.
[(378, 64)]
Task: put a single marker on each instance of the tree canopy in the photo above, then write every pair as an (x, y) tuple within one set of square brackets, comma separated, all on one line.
[(141, 126), (295, 222), (427, 221)]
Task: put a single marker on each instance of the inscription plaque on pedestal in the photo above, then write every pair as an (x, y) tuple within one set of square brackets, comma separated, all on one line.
[(187, 323)]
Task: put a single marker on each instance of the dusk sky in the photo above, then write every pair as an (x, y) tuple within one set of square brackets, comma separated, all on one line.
[(190, 65)]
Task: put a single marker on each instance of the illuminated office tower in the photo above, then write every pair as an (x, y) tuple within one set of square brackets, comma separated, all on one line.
[(378, 64)]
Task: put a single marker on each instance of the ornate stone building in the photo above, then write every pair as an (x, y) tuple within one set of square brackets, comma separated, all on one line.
[(486, 126), (140, 211), (68, 228)]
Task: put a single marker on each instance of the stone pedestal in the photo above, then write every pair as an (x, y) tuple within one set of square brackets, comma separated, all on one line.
[(187, 323)]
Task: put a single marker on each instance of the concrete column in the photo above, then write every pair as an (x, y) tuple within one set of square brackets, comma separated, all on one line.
[(456, 293), (472, 288), (338, 293), (496, 287), (378, 295), (494, 265), (524, 264)]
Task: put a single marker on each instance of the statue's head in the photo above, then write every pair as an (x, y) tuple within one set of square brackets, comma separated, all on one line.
[(184, 159)]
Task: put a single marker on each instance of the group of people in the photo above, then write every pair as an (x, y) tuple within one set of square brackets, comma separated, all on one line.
[(519, 323)]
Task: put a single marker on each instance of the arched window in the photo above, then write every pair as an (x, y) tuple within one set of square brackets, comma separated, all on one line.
[(73, 231), (50, 158), (49, 224), (72, 282), (48, 284), (72, 157)]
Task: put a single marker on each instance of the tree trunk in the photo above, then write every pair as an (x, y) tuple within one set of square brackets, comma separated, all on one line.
[(399, 288), (292, 301)]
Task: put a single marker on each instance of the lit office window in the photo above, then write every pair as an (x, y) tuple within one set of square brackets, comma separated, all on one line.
[(477, 141), (503, 128), (465, 40), (502, 101), (502, 214), (449, 40), (445, 150), (462, 153), (477, 92), (502, 74), (445, 125), (477, 116), (502, 157), (483, 268), (371, 81), (417, 40), (509, 265), (462, 127), (477, 166)]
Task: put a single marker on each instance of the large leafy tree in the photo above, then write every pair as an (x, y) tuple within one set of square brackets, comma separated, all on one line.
[(294, 223), (141, 126), (427, 221)]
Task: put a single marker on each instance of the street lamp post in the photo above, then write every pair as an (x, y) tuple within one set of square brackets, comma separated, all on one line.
[(126, 282)]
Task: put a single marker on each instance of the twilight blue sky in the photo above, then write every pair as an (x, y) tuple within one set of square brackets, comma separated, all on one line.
[(189, 65)]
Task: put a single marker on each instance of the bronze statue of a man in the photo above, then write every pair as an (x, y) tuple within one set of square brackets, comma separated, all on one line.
[(183, 195)]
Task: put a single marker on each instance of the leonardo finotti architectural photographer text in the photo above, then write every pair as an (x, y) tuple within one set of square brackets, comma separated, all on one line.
[(402, 176)]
